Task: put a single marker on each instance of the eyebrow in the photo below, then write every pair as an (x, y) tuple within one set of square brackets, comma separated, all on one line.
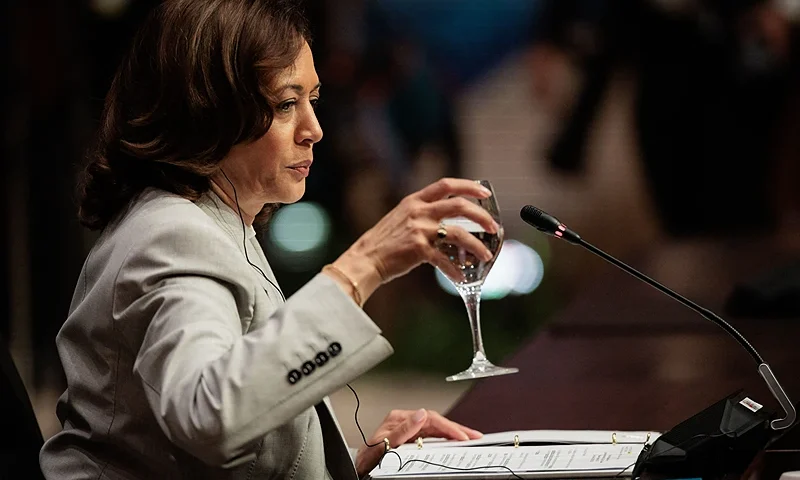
[(297, 87)]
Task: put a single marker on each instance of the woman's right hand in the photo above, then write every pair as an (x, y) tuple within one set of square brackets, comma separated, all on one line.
[(405, 237)]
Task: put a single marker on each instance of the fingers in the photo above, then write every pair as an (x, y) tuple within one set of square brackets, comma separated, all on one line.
[(399, 427), (452, 186), (471, 433), (428, 423), (402, 426), (458, 242), (408, 429), (460, 206), (450, 270), (439, 426)]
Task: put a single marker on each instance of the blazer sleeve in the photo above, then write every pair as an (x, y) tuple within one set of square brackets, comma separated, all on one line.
[(215, 390)]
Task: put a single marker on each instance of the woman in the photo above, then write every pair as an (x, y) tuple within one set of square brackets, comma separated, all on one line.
[(182, 359)]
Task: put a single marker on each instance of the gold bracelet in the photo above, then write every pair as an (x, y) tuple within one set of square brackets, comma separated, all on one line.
[(340, 274)]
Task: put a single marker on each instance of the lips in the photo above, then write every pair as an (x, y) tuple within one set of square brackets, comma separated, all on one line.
[(302, 168), (303, 164)]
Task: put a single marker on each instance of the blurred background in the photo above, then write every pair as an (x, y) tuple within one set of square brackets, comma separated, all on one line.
[(646, 125)]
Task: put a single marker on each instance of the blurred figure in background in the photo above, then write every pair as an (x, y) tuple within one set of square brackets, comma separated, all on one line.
[(391, 105), (714, 77)]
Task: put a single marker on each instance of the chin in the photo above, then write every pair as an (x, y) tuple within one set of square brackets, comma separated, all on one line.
[(294, 193)]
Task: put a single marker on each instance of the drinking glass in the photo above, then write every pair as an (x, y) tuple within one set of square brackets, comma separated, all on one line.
[(469, 287)]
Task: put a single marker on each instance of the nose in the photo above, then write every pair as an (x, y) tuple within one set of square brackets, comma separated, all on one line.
[(309, 130)]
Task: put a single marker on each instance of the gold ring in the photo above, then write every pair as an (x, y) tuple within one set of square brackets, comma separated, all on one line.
[(441, 234), (387, 445)]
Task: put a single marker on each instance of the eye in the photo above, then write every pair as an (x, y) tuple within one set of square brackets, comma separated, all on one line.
[(315, 103), (284, 107)]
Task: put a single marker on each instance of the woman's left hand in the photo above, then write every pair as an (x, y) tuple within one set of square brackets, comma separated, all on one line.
[(402, 426)]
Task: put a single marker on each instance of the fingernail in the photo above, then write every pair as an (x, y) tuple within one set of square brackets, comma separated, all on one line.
[(418, 415), (487, 256), (486, 191)]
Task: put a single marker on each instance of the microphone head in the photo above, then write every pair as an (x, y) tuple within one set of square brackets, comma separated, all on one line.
[(539, 219), (544, 222)]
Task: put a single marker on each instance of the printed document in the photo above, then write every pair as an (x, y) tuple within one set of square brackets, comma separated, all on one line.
[(552, 461)]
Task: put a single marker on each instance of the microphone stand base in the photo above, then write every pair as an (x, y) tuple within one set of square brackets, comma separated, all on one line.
[(718, 442)]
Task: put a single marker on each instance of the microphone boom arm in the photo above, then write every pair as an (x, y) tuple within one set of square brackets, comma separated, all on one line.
[(704, 312), (790, 413), (550, 225)]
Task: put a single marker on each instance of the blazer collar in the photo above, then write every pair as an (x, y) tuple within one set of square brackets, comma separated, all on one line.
[(230, 222)]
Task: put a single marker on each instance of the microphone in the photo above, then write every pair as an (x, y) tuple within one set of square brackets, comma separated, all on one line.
[(675, 446)]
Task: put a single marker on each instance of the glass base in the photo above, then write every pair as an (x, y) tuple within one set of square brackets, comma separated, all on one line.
[(481, 368)]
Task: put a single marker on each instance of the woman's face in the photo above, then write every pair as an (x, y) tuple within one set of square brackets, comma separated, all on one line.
[(274, 167)]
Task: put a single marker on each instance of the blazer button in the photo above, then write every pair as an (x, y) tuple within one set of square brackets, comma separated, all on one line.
[(293, 377), (334, 349), (321, 359), (307, 368)]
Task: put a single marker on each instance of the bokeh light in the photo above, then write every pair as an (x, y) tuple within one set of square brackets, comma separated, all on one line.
[(299, 234)]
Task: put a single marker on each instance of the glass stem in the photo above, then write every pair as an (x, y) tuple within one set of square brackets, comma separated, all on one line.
[(472, 300)]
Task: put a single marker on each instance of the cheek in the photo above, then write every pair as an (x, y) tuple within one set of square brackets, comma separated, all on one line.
[(268, 154), (275, 147)]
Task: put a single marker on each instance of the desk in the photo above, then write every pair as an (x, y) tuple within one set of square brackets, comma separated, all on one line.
[(623, 356)]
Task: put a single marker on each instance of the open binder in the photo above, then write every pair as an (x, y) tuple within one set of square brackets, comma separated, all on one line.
[(529, 454), (542, 437)]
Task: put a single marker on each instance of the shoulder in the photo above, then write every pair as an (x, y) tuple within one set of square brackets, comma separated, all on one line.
[(160, 209), (164, 230)]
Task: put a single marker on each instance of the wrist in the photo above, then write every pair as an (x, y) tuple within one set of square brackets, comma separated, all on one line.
[(360, 274)]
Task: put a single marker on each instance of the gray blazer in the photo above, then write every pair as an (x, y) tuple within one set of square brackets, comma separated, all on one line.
[(182, 361)]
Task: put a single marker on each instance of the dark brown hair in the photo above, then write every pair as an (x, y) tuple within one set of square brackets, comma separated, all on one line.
[(193, 85)]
